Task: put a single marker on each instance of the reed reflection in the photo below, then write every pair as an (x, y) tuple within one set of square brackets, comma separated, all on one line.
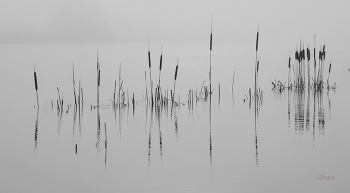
[(158, 112), (256, 115), (176, 126), (299, 110), (149, 149), (210, 141), (59, 121), (321, 120), (105, 145), (150, 140), (289, 96), (329, 105), (308, 111), (36, 130), (304, 117), (98, 128)]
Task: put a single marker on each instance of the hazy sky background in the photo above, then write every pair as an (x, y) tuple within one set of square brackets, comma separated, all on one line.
[(104, 21)]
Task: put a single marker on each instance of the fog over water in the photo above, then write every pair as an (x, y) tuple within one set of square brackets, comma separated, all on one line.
[(289, 140)]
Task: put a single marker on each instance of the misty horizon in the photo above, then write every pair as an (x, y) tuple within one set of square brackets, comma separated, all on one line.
[(182, 21)]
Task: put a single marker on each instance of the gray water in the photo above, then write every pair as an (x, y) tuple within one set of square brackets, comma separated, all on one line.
[(217, 145)]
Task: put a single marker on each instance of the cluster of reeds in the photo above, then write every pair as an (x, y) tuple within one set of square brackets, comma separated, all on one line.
[(257, 92), (121, 98), (59, 102), (157, 98), (78, 101), (191, 96), (302, 77), (205, 91), (161, 100)]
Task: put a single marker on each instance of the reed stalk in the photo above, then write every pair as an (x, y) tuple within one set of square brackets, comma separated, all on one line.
[(82, 97), (159, 91), (160, 64), (176, 69), (288, 71), (329, 72), (105, 135), (78, 95), (119, 85), (98, 81), (211, 46), (256, 61), (36, 86), (314, 60), (150, 72), (233, 80), (60, 102), (146, 87), (115, 87), (75, 97), (219, 92), (308, 65)]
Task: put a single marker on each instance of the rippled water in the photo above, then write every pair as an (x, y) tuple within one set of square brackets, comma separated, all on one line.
[(222, 144)]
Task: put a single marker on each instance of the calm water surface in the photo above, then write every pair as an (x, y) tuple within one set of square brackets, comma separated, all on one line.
[(218, 145)]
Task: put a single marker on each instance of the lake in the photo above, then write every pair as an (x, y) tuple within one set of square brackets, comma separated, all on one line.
[(293, 141)]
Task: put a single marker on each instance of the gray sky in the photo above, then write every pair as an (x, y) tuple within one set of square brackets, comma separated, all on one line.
[(101, 21)]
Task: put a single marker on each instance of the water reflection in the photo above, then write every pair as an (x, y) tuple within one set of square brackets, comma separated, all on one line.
[(150, 138), (299, 110), (59, 119), (329, 104), (105, 145), (120, 121), (303, 115), (256, 115), (158, 111), (36, 130), (321, 120), (176, 126), (150, 141), (98, 128), (210, 142), (308, 111), (289, 96), (74, 123)]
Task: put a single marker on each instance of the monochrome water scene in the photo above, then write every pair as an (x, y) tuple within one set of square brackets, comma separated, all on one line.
[(183, 96)]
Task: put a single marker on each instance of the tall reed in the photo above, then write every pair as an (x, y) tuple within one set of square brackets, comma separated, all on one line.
[(159, 90), (160, 64), (308, 65), (329, 72), (75, 97), (150, 72), (211, 46), (256, 61), (176, 69), (119, 86), (289, 71), (36, 86), (98, 81)]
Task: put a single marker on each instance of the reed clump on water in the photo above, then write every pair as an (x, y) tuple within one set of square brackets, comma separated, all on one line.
[(301, 70)]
